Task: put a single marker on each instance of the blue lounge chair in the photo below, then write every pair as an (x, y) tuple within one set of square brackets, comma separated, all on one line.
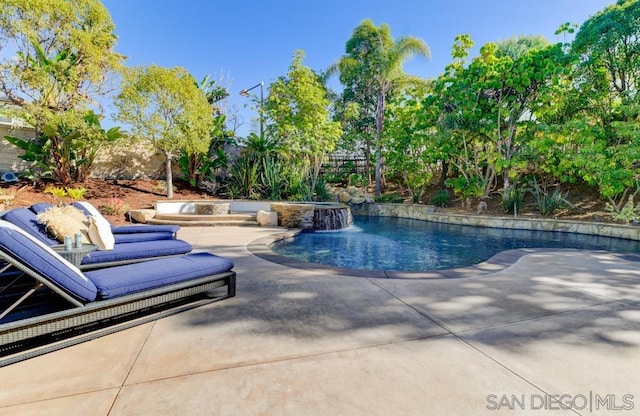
[(123, 252), (94, 303), (122, 233)]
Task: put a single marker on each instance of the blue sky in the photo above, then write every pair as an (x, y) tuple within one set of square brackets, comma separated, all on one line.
[(252, 40)]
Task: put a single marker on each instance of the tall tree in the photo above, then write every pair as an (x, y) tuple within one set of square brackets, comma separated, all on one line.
[(411, 152), (606, 109), (299, 109), (64, 54), (165, 106), (372, 65)]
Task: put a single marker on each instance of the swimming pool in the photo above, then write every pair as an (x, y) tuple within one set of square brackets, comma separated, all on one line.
[(384, 243)]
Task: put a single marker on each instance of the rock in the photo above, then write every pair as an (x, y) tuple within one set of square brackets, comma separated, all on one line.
[(344, 197), (267, 218), (141, 215), (221, 208), (357, 200)]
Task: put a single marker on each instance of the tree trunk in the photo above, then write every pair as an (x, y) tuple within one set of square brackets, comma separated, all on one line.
[(168, 175), (443, 174), (379, 128)]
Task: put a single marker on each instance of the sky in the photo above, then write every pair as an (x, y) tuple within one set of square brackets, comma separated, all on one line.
[(245, 42)]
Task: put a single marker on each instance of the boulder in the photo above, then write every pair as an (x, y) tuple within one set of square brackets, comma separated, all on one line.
[(344, 197), (141, 215), (267, 218)]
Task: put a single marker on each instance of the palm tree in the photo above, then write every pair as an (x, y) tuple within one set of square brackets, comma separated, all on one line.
[(373, 63)]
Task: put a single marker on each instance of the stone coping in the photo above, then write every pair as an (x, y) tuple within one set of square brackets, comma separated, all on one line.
[(428, 213)]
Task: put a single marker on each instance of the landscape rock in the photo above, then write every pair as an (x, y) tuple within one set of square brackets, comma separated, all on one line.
[(344, 197), (218, 208), (141, 215), (267, 218)]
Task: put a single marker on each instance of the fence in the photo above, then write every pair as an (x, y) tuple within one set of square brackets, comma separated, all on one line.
[(345, 165)]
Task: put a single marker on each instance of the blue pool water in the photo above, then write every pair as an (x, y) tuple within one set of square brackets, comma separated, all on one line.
[(381, 243)]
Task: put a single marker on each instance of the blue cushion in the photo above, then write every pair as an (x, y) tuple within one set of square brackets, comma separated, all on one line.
[(40, 207), (27, 221), (139, 250), (47, 264), (123, 280), (139, 228), (82, 208), (138, 237)]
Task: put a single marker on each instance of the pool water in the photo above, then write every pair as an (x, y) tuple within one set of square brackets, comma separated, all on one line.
[(383, 243)]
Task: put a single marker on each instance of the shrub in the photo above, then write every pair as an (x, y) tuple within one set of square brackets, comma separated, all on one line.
[(272, 178), (512, 199), (390, 198), (244, 178), (115, 206), (629, 213), (76, 194), (295, 179), (57, 192), (320, 191), (548, 203), (441, 199), (357, 180)]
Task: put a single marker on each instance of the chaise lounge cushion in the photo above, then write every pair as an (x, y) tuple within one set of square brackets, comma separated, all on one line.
[(123, 280), (138, 250), (40, 258), (141, 236), (26, 220)]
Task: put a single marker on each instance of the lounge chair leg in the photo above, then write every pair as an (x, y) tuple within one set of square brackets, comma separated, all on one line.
[(19, 301)]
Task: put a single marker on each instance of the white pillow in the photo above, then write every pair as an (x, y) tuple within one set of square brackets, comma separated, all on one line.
[(92, 210), (100, 233), (73, 267)]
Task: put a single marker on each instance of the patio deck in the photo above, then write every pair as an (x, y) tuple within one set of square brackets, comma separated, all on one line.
[(311, 342)]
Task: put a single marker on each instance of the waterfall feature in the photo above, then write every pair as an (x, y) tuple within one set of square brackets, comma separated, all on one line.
[(331, 218), (312, 217)]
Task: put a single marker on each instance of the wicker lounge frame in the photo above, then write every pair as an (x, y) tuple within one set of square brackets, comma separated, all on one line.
[(30, 337)]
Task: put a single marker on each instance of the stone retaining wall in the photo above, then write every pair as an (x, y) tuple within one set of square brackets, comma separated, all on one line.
[(427, 213)]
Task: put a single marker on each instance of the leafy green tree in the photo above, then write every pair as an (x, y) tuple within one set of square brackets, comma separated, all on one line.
[(64, 53), (197, 166), (604, 112), (66, 150), (165, 106), (493, 101), (411, 150), (372, 66), (298, 108)]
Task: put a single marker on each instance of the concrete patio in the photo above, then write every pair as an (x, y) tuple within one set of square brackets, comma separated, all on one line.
[(563, 325)]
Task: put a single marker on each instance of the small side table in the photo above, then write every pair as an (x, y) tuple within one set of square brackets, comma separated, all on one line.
[(75, 255)]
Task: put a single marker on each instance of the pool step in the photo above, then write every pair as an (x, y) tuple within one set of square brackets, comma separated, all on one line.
[(192, 220)]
